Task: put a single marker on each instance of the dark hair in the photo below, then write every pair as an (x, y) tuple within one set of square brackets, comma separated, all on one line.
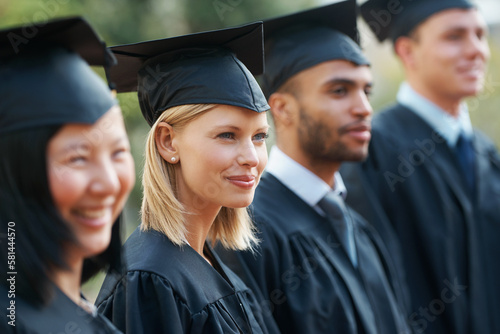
[(26, 205)]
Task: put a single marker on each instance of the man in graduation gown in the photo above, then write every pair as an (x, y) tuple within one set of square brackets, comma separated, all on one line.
[(436, 179), (319, 267)]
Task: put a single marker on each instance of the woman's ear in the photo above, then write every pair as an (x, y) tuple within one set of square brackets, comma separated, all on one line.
[(165, 142)]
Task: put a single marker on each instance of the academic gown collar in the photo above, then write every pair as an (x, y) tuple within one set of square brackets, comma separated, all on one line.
[(300, 180), (439, 120)]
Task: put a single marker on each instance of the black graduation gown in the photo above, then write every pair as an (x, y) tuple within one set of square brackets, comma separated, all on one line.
[(171, 289), (61, 315), (447, 239), (305, 277)]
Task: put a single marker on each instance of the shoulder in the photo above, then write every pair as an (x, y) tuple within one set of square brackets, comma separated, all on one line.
[(484, 143), (390, 117), (277, 210), (139, 285), (171, 275), (486, 150), (396, 132), (61, 315), (156, 268)]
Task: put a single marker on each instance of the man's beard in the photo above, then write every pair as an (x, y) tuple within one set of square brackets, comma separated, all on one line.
[(322, 143)]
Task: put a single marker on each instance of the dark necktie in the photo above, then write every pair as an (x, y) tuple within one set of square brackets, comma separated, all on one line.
[(333, 205), (464, 150)]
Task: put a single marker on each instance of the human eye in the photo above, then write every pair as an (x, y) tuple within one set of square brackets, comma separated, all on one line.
[(120, 152), (75, 159), (481, 34), (338, 91), (368, 91), (76, 155), (226, 135), (453, 36), (261, 137)]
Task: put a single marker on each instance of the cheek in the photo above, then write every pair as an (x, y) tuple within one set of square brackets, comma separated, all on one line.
[(202, 164), (445, 55), (126, 175), (66, 186), (485, 50), (215, 157)]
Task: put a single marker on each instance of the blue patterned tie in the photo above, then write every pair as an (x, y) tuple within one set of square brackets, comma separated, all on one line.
[(333, 205), (464, 151)]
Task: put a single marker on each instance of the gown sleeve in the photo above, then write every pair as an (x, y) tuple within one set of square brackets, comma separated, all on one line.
[(143, 302)]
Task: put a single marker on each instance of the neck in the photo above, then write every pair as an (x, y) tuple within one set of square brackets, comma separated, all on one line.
[(198, 225), (325, 170), (69, 280), (450, 105)]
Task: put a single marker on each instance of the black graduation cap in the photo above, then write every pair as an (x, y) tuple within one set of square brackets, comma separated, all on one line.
[(301, 40), (45, 78), (207, 67), (389, 19)]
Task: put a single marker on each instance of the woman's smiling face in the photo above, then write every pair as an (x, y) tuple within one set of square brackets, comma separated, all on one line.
[(91, 174), (222, 155)]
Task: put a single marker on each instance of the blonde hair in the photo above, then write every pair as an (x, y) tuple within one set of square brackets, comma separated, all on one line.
[(162, 211)]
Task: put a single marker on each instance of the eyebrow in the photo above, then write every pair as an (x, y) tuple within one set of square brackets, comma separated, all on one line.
[(462, 28), (86, 146), (345, 81), (123, 138), (62, 151), (236, 128)]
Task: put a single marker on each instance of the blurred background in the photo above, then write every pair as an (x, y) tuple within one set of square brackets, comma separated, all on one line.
[(130, 21)]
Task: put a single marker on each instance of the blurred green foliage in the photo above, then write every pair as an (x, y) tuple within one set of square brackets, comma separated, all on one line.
[(129, 21)]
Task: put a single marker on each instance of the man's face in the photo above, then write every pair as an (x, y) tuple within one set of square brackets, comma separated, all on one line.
[(334, 112), (449, 54)]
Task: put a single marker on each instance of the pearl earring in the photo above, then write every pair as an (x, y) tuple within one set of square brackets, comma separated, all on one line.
[(172, 159)]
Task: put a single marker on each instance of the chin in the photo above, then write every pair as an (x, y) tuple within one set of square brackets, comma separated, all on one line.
[(95, 245), (94, 251), (473, 89), (359, 155), (236, 202)]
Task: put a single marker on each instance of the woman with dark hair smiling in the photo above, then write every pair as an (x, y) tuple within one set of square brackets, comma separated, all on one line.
[(65, 174)]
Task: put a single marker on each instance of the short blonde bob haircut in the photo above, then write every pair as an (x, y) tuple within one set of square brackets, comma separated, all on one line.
[(162, 211)]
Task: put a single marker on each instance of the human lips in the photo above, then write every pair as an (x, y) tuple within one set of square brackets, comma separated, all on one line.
[(242, 181), (92, 217), (474, 71), (360, 131)]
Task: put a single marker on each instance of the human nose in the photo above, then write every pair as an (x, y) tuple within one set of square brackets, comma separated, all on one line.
[(362, 107), (105, 180), (248, 154), (477, 46)]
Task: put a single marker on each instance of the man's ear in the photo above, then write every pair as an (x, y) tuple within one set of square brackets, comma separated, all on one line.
[(283, 108), (404, 47), (164, 138)]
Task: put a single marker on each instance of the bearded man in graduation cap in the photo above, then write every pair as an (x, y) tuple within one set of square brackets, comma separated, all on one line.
[(320, 267), (436, 178)]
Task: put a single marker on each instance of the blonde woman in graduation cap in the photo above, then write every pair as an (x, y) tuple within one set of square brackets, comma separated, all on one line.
[(65, 174), (204, 157)]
